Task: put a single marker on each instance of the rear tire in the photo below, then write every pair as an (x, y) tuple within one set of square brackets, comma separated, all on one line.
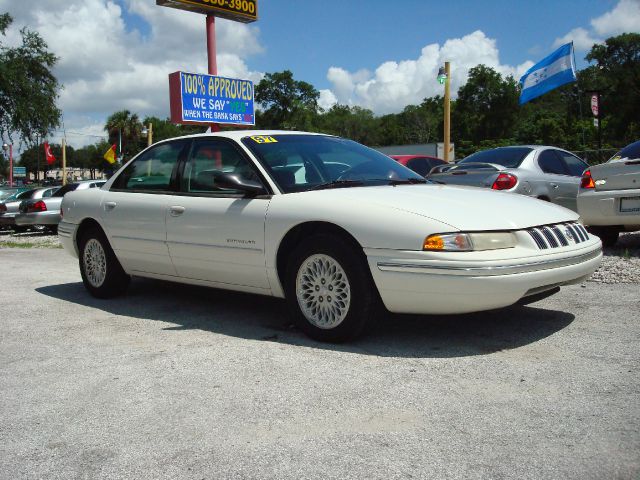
[(102, 274), (608, 235), (329, 290), (18, 229)]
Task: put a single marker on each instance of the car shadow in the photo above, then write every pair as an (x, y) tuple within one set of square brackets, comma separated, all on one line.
[(263, 318)]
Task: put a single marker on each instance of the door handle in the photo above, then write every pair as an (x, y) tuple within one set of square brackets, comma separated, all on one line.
[(109, 206), (176, 211), (554, 185)]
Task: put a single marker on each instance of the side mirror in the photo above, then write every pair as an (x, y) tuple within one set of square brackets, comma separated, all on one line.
[(234, 181)]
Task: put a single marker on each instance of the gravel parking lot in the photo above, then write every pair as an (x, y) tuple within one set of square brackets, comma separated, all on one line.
[(173, 381)]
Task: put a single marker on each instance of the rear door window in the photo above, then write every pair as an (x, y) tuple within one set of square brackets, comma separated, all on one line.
[(419, 165), (153, 170), (550, 162), (575, 166)]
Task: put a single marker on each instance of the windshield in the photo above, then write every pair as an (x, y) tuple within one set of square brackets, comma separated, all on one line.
[(307, 162), (510, 157)]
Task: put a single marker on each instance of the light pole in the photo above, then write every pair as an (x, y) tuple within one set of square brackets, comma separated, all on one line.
[(148, 134), (444, 76), (6, 147)]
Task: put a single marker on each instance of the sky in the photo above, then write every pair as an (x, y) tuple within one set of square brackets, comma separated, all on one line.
[(377, 54)]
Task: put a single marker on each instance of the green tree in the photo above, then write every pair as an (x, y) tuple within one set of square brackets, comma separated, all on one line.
[(288, 103), (28, 90), (617, 74), (486, 107)]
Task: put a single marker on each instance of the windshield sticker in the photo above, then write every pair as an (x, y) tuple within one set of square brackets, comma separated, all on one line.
[(263, 139)]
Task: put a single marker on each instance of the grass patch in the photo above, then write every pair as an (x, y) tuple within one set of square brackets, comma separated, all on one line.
[(28, 245)]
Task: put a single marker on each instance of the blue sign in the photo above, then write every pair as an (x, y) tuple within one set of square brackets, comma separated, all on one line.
[(19, 171), (199, 98)]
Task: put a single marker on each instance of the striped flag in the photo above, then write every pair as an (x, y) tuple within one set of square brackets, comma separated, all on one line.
[(549, 73)]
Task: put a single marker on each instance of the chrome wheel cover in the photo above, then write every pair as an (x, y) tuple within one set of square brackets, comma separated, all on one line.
[(323, 291), (95, 263)]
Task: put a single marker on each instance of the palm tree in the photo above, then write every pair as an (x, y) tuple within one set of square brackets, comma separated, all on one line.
[(125, 126)]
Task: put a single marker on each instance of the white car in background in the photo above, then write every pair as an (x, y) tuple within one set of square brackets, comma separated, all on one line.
[(609, 197), (339, 230)]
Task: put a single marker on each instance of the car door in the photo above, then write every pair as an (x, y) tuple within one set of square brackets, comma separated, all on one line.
[(575, 168), (134, 209), (558, 184), (216, 234)]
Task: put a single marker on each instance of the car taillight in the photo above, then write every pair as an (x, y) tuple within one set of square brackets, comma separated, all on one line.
[(505, 181), (39, 206), (587, 180), (3, 208)]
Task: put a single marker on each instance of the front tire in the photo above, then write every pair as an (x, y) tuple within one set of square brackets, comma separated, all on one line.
[(101, 271), (329, 289)]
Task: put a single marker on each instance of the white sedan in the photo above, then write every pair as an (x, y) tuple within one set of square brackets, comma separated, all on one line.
[(339, 230)]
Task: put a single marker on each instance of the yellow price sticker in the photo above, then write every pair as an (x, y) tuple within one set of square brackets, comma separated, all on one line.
[(263, 139)]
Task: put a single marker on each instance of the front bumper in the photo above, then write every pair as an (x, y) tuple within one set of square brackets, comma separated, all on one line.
[(602, 208), (418, 283), (38, 218)]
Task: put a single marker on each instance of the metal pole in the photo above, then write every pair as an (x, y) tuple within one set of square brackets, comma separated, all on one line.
[(150, 135), (211, 55), (447, 111), (38, 159), (599, 116), (64, 161), (11, 165)]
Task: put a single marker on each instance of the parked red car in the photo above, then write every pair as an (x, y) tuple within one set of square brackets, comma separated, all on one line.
[(421, 164)]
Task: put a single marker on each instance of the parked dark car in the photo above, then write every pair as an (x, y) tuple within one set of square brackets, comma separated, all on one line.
[(421, 164)]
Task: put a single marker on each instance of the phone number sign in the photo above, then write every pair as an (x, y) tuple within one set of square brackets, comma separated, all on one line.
[(244, 11), (197, 98)]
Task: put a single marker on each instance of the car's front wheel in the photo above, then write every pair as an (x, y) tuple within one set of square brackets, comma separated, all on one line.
[(101, 271), (329, 289)]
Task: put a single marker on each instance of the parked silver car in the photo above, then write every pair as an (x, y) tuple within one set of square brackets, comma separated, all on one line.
[(547, 173), (46, 211), (9, 209), (609, 198)]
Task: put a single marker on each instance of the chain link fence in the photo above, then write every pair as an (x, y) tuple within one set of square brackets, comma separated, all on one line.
[(594, 157)]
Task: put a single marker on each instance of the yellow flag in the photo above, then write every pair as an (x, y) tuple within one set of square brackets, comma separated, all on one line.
[(110, 156)]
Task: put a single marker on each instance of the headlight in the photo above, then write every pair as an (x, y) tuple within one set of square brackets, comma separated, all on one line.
[(467, 242)]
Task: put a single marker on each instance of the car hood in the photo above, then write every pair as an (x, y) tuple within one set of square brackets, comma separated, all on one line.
[(464, 208)]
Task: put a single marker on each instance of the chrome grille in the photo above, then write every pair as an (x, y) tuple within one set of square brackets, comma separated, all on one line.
[(558, 235)]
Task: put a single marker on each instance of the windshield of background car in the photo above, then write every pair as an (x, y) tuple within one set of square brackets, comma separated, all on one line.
[(305, 162), (507, 157), (630, 152)]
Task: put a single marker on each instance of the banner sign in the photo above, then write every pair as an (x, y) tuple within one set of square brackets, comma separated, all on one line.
[(197, 98), (19, 172), (244, 11)]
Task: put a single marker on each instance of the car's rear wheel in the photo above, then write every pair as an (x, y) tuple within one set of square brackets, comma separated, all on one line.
[(19, 229), (101, 271), (608, 235), (329, 289)]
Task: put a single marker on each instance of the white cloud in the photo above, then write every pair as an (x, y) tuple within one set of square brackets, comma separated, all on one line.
[(105, 65), (394, 85), (624, 18)]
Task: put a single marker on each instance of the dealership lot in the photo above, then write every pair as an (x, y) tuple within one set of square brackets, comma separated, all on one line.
[(173, 381)]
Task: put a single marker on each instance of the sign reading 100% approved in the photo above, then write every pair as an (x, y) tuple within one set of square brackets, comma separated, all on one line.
[(200, 98)]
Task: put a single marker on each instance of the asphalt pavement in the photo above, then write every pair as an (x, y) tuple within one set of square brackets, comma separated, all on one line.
[(176, 382)]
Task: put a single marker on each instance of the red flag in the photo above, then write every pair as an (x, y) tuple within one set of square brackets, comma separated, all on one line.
[(48, 155)]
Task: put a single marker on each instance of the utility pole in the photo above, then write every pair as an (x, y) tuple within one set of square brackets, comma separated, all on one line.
[(37, 158)]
